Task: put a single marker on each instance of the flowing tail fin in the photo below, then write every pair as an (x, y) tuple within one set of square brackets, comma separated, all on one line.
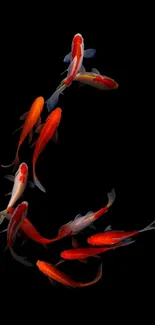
[(149, 227), (52, 101), (123, 242), (15, 163), (20, 259), (36, 181), (3, 215), (111, 198), (97, 278)]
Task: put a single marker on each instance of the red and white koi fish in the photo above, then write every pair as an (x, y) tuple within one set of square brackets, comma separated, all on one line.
[(54, 274), (20, 181), (47, 131), (115, 236), (95, 79), (32, 118), (81, 222), (17, 218), (76, 58)]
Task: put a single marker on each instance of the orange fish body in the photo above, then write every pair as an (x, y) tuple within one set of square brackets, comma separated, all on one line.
[(31, 232), (53, 273), (83, 253), (110, 237), (47, 132), (114, 236), (31, 119)]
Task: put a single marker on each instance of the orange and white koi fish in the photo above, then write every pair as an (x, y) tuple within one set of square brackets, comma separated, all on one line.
[(17, 218), (84, 253), (81, 222), (32, 118), (47, 131), (95, 79), (20, 181), (54, 274), (111, 237), (76, 58)]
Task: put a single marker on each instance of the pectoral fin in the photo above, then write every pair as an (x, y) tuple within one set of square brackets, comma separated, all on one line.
[(55, 137), (10, 177), (67, 58), (23, 117), (39, 128)]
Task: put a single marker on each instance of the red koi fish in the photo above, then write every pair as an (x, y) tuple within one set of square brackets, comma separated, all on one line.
[(76, 58), (84, 253), (32, 118), (47, 131), (17, 218), (29, 230), (114, 236), (54, 274), (20, 181)]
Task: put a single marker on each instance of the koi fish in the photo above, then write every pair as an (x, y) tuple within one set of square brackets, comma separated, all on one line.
[(76, 58), (95, 79), (32, 118), (20, 181), (64, 231), (84, 253), (114, 236), (81, 222), (47, 131), (54, 274), (17, 218), (29, 230)]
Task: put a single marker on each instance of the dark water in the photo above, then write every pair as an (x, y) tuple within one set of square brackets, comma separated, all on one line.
[(101, 146)]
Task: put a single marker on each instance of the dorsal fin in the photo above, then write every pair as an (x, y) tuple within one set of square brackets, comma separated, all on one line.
[(108, 228), (94, 70), (82, 69), (78, 216), (89, 213)]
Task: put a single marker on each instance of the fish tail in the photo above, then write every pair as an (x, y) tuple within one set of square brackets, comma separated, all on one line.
[(20, 259), (124, 242), (111, 198), (36, 181), (97, 278), (15, 163), (3, 215), (52, 101), (151, 226)]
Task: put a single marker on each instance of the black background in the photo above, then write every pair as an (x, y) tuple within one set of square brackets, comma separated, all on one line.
[(104, 143)]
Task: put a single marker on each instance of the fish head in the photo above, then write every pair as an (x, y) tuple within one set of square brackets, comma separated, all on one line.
[(107, 82), (23, 169), (23, 207), (64, 254), (95, 239), (78, 39)]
